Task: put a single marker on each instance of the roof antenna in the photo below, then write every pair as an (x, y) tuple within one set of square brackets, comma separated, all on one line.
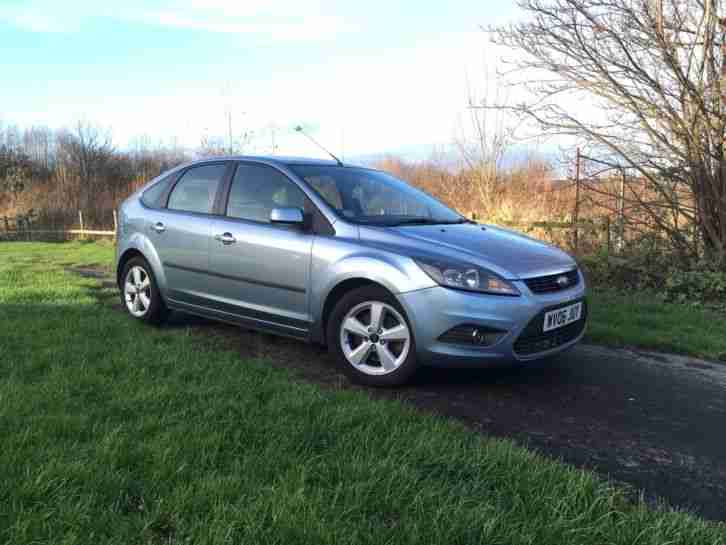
[(302, 131)]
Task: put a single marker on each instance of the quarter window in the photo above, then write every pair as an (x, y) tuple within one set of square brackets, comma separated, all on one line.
[(152, 196), (257, 189), (197, 188)]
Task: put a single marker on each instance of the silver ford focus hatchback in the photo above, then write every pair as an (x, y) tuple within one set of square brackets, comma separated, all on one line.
[(385, 275)]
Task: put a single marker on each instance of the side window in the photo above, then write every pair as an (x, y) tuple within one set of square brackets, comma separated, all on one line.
[(257, 189), (152, 196), (197, 188)]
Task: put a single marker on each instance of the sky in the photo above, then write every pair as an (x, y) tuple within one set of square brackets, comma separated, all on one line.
[(363, 77)]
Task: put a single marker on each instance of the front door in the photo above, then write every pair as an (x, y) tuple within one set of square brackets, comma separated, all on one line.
[(261, 269)]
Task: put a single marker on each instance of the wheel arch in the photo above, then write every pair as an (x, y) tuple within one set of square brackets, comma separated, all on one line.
[(391, 272), (140, 246), (337, 293), (123, 259)]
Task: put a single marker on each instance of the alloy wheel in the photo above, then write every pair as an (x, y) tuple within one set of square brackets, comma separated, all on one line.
[(137, 291), (375, 338)]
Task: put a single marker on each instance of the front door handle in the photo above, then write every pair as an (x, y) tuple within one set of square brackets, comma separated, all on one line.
[(158, 227), (225, 238)]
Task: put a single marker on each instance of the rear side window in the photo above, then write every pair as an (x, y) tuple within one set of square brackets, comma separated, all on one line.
[(257, 189), (196, 190), (152, 196)]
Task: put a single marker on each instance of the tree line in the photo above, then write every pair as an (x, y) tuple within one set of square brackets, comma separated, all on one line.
[(55, 173), (52, 174)]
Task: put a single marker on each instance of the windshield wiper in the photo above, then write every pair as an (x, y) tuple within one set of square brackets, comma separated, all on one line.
[(455, 222), (431, 221), (416, 221)]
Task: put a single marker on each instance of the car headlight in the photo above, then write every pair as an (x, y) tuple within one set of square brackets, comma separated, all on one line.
[(466, 277)]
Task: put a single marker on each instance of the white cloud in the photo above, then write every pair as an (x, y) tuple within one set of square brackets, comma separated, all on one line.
[(38, 17), (358, 104), (37, 22), (311, 27), (252, 8), (355, 105), (284, 20)]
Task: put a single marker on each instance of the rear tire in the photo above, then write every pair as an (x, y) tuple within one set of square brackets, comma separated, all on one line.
[(372, 339), (140, 294)]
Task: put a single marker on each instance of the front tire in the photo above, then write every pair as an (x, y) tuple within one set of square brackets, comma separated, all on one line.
[(140, 294), (371, 338)]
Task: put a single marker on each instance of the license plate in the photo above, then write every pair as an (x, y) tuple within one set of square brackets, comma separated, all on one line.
[(561, 317)]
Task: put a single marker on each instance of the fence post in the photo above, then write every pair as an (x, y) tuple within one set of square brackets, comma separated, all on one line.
[(576, 213), (607, 233), (29, 225), (80, 220), (621, 213), (7, 223), (115, 222)]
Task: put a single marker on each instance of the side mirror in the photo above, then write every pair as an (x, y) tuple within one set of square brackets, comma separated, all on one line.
[(287, 216)]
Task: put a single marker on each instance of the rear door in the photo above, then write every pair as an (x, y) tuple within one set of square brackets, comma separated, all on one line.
[(181, 231), (261, 269)]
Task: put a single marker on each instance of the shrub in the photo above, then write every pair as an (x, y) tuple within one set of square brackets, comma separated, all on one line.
[(667, 277)]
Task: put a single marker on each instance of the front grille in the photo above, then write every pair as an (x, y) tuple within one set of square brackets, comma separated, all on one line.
[(533, 340), (549, 284)]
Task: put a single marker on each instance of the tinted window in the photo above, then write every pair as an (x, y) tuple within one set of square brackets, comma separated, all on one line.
[(372, 196), (152, 196), (257, 189), (197, 188)]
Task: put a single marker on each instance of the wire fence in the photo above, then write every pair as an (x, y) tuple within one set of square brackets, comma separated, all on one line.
[(25, 227), (585, 236)]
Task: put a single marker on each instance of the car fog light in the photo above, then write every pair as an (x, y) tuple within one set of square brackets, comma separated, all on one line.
[(472, 335), (485, 338)]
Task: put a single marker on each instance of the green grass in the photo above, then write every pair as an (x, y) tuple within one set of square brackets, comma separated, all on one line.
[(640, 320), (115, 432)]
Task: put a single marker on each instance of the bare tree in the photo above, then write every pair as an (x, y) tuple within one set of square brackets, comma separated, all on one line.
[(651, 75), (485, 135), (37, 144), (87, 155)]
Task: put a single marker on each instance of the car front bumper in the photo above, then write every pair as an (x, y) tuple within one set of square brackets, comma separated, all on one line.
[(434, 311)]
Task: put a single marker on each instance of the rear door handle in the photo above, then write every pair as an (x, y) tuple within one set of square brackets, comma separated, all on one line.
[(158, 227), (225, 238)]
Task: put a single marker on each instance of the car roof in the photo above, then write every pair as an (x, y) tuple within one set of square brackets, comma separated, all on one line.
[(282, 160)]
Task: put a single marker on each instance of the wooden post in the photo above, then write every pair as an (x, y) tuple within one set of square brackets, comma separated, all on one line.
[(80, 220), (7, 223), (621, 213), (576, 212), (607, 233), (29, 225), (115, 222)]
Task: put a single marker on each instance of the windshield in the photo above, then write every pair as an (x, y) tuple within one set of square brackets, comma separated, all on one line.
[(370, 196)]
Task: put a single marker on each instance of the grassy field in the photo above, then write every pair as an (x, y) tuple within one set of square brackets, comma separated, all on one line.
[(115, 432), (640, 320)]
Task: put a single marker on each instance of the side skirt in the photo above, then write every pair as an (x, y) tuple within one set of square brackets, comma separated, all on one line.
[(257, 324)]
